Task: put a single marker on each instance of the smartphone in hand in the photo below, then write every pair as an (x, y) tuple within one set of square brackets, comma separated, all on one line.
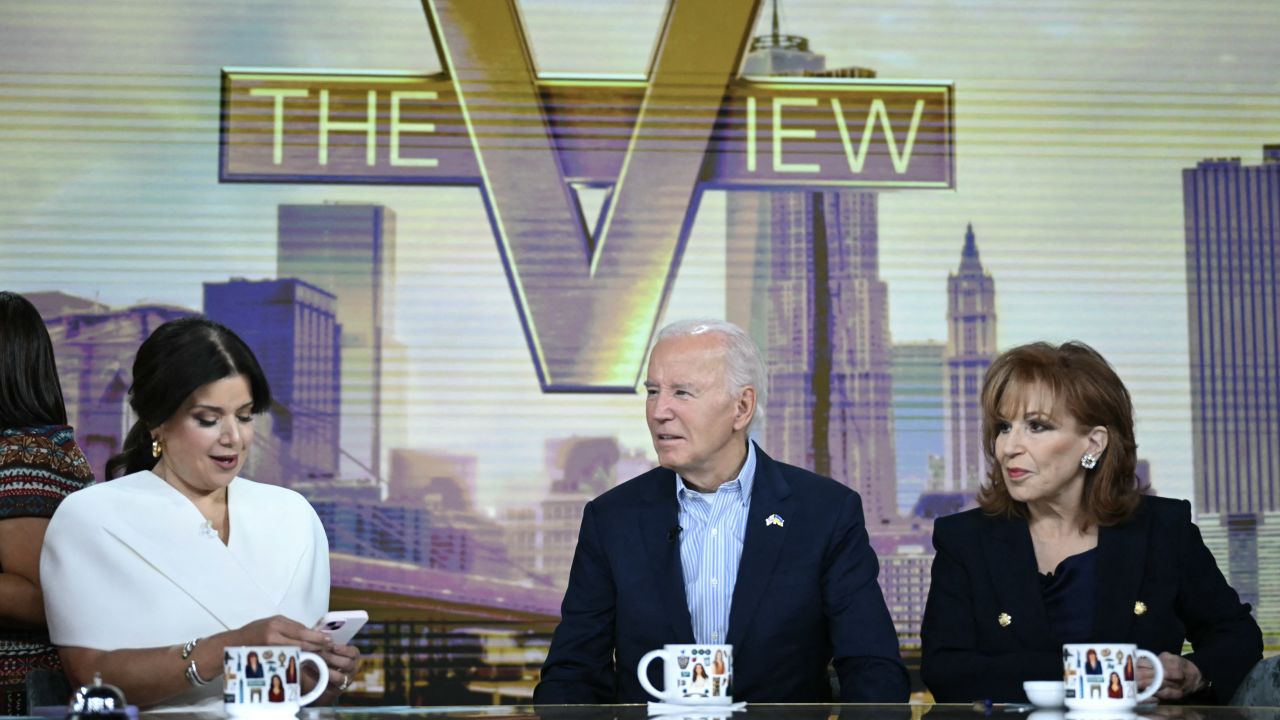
[(342, 625)]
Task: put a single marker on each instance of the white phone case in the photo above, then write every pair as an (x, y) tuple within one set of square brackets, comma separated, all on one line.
[(342, 625)]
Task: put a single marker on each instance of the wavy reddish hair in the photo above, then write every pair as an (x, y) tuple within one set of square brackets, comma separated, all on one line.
[(1081, 385)]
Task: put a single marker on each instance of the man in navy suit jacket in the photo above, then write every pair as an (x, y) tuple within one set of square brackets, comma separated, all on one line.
[(804, 595)]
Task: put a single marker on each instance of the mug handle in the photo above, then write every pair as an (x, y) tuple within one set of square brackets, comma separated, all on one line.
[(642, 674), (321, 684), (1154, 687)]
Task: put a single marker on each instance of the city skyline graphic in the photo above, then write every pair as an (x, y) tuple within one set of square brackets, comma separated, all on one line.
[(1127, 202)]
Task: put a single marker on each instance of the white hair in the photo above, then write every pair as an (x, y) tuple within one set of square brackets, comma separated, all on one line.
[(744, 364)]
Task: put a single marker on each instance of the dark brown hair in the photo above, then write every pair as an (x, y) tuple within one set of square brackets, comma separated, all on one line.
[(176, 360), (30, 393), (1085, 387)]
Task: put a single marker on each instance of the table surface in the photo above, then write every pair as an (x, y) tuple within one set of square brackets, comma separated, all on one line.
[(785, 712), (759, 712)]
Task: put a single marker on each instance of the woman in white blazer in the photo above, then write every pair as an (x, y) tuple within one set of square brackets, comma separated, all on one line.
[(150, 576)]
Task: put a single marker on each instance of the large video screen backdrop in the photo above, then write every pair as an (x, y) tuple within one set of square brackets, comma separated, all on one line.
[(450, 260)]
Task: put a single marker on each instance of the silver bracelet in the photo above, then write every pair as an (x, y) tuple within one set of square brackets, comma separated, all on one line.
[(192, 672), (193, 676)]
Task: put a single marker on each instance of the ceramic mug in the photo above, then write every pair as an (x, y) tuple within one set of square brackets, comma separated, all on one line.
[(1103, 676), (692, 674), (265, 679)]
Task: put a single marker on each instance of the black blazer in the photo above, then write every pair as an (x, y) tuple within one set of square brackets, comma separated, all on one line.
[(986, 566), (806, 595)]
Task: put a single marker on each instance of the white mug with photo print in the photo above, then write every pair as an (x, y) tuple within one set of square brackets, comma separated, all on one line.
[(692, 674)]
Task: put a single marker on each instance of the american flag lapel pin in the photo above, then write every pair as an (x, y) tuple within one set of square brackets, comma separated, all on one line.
[(774, 519)]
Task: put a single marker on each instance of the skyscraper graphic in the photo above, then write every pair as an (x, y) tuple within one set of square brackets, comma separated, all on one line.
[(349, 250), (1233, 320), (904, 580), (1232, 214), (749, 221), (918, 425), (291, 327), (971, 346), (803, 279)]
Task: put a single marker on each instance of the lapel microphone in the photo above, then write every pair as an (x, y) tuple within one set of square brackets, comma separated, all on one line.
[(673, 533)]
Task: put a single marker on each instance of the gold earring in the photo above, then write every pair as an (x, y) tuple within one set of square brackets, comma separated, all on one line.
[(157, 447)]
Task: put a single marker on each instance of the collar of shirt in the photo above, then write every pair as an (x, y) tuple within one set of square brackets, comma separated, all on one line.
[(741, 484)]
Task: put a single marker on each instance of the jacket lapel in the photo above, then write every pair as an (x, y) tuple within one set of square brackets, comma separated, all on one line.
[(169, 538), (659, 515), (1011, 560), (762, 545), (1122, 551)]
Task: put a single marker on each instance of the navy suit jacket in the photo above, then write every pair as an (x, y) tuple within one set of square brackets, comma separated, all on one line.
[(986, 566), (806, 595)]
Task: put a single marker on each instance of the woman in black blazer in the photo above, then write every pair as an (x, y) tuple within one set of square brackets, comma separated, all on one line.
[(1065, 547)]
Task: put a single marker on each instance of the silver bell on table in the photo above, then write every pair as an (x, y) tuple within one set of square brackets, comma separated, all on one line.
[(97, 701)]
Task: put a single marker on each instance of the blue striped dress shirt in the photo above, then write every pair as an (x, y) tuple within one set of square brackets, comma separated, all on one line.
[(712, 529)]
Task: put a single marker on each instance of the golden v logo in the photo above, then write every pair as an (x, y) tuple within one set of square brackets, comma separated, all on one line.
[(589, 302)]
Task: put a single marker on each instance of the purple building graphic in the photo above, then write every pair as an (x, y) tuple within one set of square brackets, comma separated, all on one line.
[(971, 346), (1233, 321), (1232, 216), (804, 280), (416, 537), (443, 482), (291, 327), (542, 538), (348, 250), (95, 348)]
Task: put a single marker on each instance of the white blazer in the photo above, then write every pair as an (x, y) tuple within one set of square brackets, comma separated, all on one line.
[(130, 563)]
